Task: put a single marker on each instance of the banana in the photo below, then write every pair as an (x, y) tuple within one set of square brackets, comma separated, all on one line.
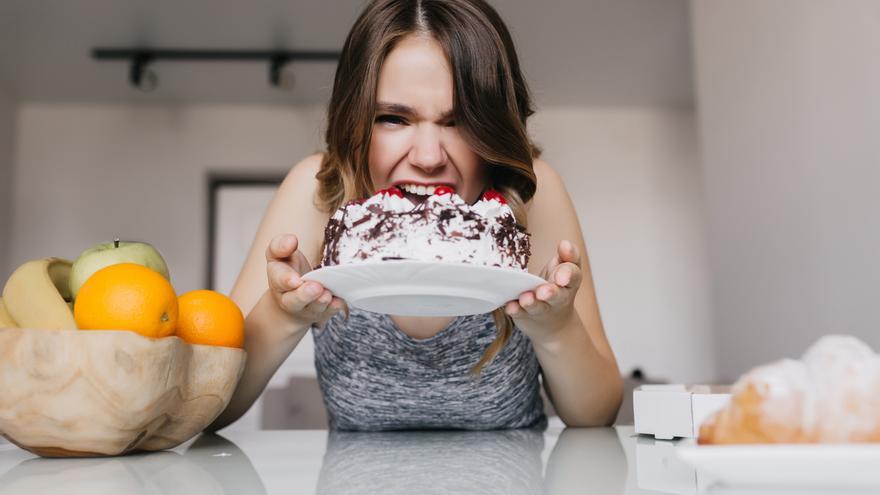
[(37, 294), (6, 321)]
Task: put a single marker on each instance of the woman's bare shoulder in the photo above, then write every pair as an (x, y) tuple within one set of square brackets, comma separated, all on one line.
[(295, 209), (300, 186), (303, 173), (544, 170), (549, 184)]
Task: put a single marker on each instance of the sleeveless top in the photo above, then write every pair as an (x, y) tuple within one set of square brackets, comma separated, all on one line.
[(375, 377)]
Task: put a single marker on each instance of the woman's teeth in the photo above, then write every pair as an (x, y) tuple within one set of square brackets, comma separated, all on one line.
[(418, 190)]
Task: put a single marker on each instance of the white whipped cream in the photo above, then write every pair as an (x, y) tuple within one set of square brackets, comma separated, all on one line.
[(443, 228)]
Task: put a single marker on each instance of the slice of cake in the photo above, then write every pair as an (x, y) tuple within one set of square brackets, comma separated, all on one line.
[(388, 226)]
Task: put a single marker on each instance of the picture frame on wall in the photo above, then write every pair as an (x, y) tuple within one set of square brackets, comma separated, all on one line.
[(236, 203)]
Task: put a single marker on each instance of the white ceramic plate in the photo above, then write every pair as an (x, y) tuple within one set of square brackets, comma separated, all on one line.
[(418, 288), (828, 465)]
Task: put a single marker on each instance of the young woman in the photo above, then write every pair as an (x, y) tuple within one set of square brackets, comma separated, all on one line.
[(429, 92)]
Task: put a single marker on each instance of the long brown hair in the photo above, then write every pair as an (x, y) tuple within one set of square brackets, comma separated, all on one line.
[(491, 103)]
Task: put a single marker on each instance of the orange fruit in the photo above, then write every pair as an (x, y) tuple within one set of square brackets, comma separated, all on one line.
[(127, 296), (210, 318)]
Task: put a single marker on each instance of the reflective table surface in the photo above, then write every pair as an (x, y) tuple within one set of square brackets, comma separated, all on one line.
[(574, 460)]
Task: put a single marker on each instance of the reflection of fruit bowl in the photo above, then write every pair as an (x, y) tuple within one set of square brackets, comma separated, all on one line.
[(69, 393)]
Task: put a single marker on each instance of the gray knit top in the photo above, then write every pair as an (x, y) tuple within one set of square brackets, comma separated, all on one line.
[(375, 377)]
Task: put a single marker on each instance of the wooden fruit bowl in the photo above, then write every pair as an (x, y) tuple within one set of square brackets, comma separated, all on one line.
[(76, 393)]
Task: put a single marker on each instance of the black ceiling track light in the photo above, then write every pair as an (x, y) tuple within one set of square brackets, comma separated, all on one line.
[(141, 77)]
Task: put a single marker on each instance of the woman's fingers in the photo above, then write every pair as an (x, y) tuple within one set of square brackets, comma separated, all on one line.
[(295, 301), (547, 296), (532, 305), (562, 268), (566, 275), (336, 305), (310, 298), (284, 249), (282, 277), (550, 294), (284, 264), (563, 275), (325, 307), (319, 305), (568, 252), (281, 247), (513, 309), (306, 300)]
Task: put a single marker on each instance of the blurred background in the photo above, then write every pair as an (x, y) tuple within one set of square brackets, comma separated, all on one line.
[(723, 156)]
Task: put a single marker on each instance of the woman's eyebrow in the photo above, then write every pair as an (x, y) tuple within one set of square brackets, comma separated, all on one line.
[(406, 110)]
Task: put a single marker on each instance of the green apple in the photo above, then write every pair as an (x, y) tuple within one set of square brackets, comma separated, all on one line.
[(111, 253)]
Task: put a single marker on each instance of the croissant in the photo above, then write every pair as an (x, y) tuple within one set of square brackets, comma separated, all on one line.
[(830, 395)]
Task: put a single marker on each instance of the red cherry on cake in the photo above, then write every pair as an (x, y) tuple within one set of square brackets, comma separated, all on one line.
[(441, 190), (392, 191), (493, 194)]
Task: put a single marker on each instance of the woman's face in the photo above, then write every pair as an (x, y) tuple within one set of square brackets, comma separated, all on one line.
[(415, 141)]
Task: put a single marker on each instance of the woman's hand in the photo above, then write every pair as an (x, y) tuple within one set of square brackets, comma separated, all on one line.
[(540, 312), (308, 303)]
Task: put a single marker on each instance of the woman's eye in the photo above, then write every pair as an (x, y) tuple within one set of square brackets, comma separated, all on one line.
[(390, 119), (450, 123)]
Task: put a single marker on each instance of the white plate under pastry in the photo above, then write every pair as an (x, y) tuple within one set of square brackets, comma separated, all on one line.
[(787, 465), (419, 288)]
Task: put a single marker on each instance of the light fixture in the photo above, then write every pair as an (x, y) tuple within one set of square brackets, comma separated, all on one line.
[(142, 76)]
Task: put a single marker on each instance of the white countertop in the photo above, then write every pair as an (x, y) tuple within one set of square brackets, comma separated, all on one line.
[(593, 460)]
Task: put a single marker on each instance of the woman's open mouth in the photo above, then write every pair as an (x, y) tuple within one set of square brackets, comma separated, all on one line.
[(418, 194)]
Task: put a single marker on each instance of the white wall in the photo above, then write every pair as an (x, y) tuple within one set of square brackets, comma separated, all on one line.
[(634, 175), (85, 173), (7, 132), (789, 104)]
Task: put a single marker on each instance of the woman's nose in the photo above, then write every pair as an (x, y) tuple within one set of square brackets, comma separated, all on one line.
[(427, 150)]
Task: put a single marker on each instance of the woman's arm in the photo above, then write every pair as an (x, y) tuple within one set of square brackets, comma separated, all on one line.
[(271, 333), (562, 318)]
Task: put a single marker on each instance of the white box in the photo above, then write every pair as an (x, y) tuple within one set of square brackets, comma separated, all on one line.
[(670, 411)]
